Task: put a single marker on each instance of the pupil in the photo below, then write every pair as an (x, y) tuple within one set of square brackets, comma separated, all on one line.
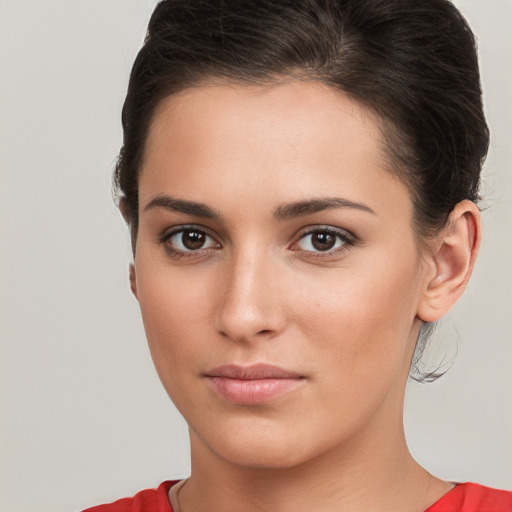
[(323, 241), (193, 239)]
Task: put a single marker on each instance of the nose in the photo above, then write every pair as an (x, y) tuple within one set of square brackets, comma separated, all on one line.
[(250, 306)]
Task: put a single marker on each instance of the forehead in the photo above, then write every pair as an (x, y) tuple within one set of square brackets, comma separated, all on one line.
[(288, 140), (299, 107)]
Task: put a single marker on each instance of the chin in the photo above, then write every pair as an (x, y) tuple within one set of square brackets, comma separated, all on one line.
[(270, 455), (260, 445)]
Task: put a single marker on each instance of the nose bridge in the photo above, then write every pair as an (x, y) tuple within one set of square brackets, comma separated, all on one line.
[(249, 305)]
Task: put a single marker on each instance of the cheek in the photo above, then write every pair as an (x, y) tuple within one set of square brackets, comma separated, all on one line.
[(174, 315), (362, 321)]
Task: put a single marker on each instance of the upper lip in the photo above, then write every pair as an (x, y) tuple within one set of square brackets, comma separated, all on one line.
[(252, 372)]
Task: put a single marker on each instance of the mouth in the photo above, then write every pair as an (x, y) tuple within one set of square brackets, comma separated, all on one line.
[(255, 384)]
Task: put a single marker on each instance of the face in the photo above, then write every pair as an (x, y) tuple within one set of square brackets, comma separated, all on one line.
[(277, 270)]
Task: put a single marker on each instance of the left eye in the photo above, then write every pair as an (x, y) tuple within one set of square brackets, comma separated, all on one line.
[(188, 240), (321, 241)]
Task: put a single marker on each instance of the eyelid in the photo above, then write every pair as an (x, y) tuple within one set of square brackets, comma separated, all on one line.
[(319, 228), (172, 251), (348, 239)]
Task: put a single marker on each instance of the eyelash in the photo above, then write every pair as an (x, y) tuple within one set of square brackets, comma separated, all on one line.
[(347, 239), (179, 253)]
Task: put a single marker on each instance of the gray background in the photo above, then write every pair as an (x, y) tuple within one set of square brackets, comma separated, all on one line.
[(83, 417)]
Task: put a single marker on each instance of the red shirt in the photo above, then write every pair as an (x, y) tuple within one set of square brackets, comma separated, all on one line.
[(473, 498), (462, 498), (150, 500)]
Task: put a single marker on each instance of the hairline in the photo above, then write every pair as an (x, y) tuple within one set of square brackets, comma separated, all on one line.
[(392, 149)]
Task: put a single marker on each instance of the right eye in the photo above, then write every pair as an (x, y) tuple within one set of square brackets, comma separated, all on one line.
[(188, 241)]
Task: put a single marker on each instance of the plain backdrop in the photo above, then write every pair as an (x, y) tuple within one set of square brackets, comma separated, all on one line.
[(83, 417)]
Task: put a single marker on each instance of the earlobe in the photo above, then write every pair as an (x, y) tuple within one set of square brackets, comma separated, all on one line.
[(451, 262), (133, 280)]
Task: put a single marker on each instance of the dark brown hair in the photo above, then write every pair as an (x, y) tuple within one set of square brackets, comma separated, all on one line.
[(413, 63)]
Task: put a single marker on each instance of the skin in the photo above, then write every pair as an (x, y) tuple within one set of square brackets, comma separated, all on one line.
[(260, 291)]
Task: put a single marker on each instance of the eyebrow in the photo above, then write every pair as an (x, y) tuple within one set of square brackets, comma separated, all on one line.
[(183, 206), (281, 213), (311, 206)]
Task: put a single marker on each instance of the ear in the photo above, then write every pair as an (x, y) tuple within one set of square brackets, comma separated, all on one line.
[(133, 280), (451, 261), (123, 208)]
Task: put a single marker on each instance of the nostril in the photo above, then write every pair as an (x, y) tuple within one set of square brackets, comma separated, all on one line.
[(264, 331)]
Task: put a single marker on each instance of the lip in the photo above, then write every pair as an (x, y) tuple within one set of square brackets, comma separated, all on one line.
[(255, 384)]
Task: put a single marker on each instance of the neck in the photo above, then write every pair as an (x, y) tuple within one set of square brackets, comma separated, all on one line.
[(369, 473)]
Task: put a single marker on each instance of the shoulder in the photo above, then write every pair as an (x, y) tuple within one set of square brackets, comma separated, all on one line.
[(471, 497), (149, 500)]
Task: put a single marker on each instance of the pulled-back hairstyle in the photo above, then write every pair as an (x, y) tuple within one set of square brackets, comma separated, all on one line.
[(411, 62)]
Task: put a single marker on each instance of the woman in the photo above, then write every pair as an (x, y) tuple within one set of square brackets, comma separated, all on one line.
[(300, 180)]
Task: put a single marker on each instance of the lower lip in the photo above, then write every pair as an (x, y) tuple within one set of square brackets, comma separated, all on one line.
[(254, 391)]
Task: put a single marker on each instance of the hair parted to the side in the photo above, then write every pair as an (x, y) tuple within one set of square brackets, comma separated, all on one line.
[(412, 63)]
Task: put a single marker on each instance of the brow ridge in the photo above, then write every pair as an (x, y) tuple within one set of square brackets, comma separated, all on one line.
[(183, 206), (281, 213), (311, 206)]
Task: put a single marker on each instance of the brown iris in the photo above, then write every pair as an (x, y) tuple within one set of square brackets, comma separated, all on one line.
[(193, 239), (323, 241)]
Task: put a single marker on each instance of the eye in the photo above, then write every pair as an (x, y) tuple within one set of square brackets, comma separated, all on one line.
[(187, 240), (326, 240)]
